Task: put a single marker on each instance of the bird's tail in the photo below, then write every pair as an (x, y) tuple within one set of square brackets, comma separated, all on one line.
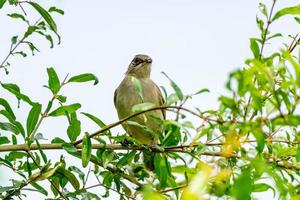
[(148, 157)]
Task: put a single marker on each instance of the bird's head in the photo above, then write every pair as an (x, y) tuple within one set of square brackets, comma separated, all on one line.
[(140, 66)]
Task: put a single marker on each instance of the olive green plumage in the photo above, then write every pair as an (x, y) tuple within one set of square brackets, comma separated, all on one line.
[(126, 96)]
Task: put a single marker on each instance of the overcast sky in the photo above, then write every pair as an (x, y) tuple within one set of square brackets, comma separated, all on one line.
[(197, 43)]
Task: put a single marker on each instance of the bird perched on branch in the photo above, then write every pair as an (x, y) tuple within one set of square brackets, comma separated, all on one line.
[(137, 88)]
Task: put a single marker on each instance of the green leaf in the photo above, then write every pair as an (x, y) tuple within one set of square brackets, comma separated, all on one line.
[(14, 39), (33, 117), (295, 64), (254, 48), (98, 121), (61, 98), (202, 91), (175, 87), (4, 140), (242, 186), (172, 98), (53, 81), (295, 10), (228, 102), (126, 159), (142, 107), (74, 128), (70, 148), (297, 156), (47, 17), (17, 16), (54, 9), (2, 2), (70, 177), (40, 176), (14, 89), (39, 188), (262, 187), (161, 169), (63, 110), (77, 171), (297, 19), (7, 107), (15, 155), (84, 78), (138, 87), (41, 152), (86, 150), (30, 30), (260, 140), (8, 127), (263, 9)]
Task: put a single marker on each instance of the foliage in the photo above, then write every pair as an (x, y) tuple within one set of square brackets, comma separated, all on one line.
[(250, 144)]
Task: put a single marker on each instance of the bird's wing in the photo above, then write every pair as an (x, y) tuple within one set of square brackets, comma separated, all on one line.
[(161, 100), (115, 98)]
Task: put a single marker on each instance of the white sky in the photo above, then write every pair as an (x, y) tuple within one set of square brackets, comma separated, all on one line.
[(197, 43)]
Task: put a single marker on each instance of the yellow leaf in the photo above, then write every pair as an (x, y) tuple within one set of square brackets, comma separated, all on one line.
[(196, 189)]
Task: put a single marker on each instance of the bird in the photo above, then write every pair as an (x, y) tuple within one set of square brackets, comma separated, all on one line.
[(126, 96)]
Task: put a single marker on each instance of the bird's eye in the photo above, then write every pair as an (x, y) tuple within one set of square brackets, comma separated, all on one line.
[(137, 61)]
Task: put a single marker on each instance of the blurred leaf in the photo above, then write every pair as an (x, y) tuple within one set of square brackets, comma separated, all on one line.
[(47, 17), (4, 140), (297, 156), (142, 106), (228, 102), (295, 64), (295, 10), (2, 2), (262, 187), (173, 98), (292, 120), (150, 194), (202, 91), (274, 36), (263, 9), (86, 150), (14, 89), (54, 9), (63, 110), (53, 80), (161, 169), (84, 78), (260, 140), (297, 19), (244, 180), (33, 117)]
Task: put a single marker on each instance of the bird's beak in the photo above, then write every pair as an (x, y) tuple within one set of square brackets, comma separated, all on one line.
[(149, 60)]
